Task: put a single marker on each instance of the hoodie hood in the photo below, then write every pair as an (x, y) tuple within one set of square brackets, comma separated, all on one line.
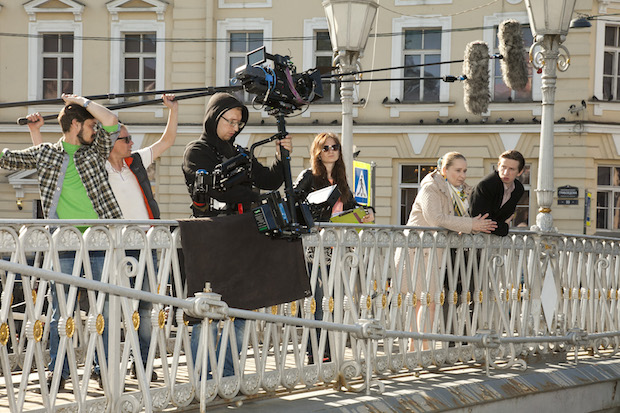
[(217, 106)]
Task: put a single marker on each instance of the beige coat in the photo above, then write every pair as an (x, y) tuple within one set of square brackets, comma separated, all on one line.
[(433, 206)]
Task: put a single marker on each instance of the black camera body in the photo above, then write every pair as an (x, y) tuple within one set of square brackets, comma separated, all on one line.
[(275, 82)]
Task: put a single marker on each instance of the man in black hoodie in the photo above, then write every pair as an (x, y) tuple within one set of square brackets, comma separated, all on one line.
[(225, 118)]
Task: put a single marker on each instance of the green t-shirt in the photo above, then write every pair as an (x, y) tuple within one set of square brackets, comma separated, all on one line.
[(74, 202)]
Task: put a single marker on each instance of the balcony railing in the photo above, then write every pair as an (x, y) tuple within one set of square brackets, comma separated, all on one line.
[(395, 300)]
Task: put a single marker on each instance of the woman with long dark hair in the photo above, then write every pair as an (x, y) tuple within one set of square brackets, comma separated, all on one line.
[(328, 168)]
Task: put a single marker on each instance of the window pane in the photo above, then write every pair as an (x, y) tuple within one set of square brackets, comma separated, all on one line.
[(50, 89), (431, 86), (149, 44), (324, 64), (602, 199), (67, 68), (50, 68), (602, 218), (616, 218), (237, 42), (50, 42), (132, 86), (132, 68), (413, 39), (607, 92), (407, 196), (525, 176), (235, 62), (608, 63), (616, 177), (610, 36), (412, 87), (66, 43), (67, 86), (132, 43), (604, 175), (149, 85), (432, 39), (149, 68), (425, 170), (322, 41), (255, 41), (521, 217), (409, 174)]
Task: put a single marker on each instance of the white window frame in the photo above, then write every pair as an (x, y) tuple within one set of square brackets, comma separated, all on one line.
[(402, 185), (222, 4), (35, 49), (310, 26), (224, 27), (420, 2), (610, 190), (599, 62), (399, 25), (117, 71), (488, 36)]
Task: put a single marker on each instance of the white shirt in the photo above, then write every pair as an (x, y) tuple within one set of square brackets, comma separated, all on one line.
[(127, 189)]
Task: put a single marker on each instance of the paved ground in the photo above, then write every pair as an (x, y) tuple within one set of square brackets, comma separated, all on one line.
[(565, 387), (561, 386)]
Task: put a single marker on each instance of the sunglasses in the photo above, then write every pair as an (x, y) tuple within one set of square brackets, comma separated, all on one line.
[(127, 139), (335, 147)]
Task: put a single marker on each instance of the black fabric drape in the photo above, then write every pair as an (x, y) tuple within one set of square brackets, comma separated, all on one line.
[(249, 269)]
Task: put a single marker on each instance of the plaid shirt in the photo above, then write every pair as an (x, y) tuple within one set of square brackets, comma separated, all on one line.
[(50, 160)]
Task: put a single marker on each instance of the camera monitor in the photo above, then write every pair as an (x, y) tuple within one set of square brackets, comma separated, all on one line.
[(256, 57)]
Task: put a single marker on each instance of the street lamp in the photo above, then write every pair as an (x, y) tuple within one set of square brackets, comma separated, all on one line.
[(349, 23), (549, 22)]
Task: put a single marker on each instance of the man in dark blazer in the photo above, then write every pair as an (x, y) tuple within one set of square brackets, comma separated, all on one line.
[(498, 193)]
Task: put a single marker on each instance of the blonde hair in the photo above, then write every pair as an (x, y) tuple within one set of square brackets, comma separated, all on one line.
[(448, 159)]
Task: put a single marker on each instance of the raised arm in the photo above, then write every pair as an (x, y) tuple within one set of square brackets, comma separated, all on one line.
[(170, 133), (35, 121), (104, 115)]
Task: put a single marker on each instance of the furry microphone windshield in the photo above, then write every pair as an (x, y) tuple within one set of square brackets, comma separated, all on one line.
[(514, 68), (476, 69)]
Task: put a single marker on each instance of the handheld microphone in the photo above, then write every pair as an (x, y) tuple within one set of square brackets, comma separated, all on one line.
[(476, 87), (514, 68)]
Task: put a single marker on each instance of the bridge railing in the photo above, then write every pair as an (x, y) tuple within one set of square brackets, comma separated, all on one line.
[(386, 300)]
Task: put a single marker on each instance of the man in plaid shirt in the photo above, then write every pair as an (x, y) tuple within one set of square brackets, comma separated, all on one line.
[(73, 183)]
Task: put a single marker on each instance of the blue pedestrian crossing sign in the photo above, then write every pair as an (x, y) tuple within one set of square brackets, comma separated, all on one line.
[(361, 186)]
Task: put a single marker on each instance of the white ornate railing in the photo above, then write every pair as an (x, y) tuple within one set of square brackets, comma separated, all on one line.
[(396, 299)]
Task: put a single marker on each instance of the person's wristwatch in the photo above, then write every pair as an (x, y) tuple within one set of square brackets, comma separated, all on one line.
[(86, 103)]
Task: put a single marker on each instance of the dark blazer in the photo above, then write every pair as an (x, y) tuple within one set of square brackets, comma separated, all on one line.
[(487, 198)]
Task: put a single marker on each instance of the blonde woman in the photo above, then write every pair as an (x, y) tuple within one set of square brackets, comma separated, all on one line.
[(442, 201)]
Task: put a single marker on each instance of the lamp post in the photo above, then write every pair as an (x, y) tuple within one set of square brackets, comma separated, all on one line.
[(349, 23), (549, 22)]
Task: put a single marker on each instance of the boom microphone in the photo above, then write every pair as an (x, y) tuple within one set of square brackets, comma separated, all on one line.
[(476, 69), (514, 68)]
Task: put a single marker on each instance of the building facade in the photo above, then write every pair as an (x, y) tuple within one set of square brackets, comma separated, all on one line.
[(101, 47)]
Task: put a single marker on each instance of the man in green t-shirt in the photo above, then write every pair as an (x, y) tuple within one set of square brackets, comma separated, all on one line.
[(73, 184)]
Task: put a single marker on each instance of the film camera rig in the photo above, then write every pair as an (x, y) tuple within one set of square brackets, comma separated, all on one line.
[(280, 90)]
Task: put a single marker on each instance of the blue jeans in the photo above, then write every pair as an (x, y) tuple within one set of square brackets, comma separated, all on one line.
[(67, 258), (229, 370), (144, 308)]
